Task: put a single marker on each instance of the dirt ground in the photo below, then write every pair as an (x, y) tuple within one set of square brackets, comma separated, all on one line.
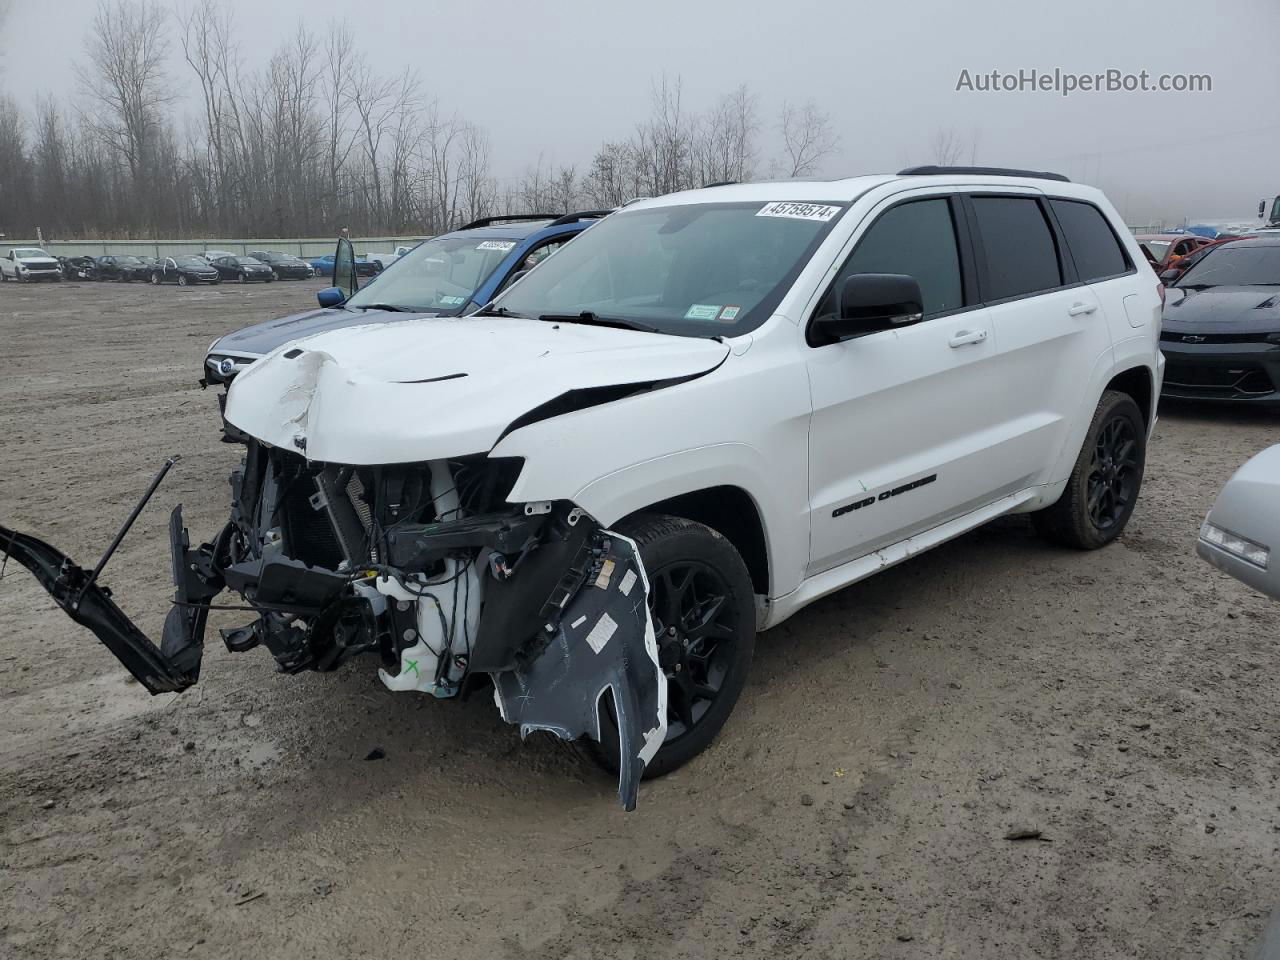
[(1121, 702)]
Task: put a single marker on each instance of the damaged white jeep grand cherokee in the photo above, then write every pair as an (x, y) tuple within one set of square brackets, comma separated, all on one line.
[(710, 410)]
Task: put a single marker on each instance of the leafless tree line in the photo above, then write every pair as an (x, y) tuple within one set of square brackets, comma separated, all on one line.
[(319, 138)]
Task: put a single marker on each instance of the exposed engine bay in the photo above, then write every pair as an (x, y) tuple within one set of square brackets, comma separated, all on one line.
[(426, 566)]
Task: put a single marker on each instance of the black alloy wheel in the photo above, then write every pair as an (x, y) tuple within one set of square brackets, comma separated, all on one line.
[(695, 626), (1113, 473)]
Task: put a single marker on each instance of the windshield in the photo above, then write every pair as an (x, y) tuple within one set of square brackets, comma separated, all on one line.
[(248, 261), (191, 262), (1235, 264), (25, 252), (127, 260), (696, 270), (439, 275)]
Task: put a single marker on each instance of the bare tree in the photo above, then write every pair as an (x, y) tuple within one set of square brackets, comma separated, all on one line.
[(807, 138), (947, 147), (725, 141), (125, 78)]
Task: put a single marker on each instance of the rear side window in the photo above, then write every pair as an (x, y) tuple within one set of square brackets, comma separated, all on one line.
[(1022, 257), (918, 239), (1093, 243)]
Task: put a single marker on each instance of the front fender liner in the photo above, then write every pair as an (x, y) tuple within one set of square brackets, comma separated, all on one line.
[(604, 642)]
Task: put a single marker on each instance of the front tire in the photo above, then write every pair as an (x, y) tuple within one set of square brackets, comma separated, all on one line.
[(182, 279), (1103, 489), (703, 609)]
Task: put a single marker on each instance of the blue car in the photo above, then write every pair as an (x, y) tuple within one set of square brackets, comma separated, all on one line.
[(324, 266), (450, 275)]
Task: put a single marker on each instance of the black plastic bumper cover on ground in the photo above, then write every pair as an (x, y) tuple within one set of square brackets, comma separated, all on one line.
[(171, 667)]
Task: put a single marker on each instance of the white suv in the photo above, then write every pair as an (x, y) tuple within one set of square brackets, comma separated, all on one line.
[(730, 401)]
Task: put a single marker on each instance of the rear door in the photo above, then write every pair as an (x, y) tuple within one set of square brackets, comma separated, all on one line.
[(1050, 326), (902, 419)]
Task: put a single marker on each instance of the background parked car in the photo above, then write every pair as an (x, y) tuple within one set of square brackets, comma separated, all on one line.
[(385, 260), (1164, 248), (212, 255), (120, 268), (76, 268), (284, 265), (184, 271), (1221, 325), (244, 269), (323, 266), (28, 263)]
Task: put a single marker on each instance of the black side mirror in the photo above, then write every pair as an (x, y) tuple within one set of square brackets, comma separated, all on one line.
[(512, 279), (867, 302), (1262, 207), (344, 267), (1168, 276)]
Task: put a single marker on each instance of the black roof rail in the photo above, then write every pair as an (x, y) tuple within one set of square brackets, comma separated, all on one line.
[(720, 183), (933, 171), (490, 221), (581, 215)]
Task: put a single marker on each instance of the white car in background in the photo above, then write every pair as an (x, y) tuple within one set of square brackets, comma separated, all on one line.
[(29, 263), (385, 260)]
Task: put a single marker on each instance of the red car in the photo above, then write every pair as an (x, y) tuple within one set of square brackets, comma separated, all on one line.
[(1163, 249)]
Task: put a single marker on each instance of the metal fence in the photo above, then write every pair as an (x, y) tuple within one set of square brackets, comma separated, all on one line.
[(301, 246)]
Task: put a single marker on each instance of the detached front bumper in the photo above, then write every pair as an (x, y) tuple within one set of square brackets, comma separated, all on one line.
[(1213, 370)]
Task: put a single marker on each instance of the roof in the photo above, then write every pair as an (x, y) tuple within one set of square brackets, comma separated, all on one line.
[(515, 230), (849, 189), (1258, 241)]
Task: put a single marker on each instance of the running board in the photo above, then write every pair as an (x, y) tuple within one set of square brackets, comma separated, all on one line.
[(837, 578), (169, 668)]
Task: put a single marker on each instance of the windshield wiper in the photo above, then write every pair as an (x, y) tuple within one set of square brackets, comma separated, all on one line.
[(383, 306), (499, 312), (1195, 286), (595, 320)]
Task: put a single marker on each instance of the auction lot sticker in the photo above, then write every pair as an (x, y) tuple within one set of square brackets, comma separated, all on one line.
[(503, 245), (798, 211), (703, 311)]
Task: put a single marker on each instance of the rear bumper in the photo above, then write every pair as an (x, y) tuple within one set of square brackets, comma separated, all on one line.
[(1222, 372)]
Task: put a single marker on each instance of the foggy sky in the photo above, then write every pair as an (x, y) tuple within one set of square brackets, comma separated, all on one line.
[(552, 79)]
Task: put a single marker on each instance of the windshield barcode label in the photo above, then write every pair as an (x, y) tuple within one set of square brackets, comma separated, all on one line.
[(798, 211)]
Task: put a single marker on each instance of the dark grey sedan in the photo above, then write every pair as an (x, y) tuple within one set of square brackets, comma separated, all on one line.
[(243, 269), (1221, 326)]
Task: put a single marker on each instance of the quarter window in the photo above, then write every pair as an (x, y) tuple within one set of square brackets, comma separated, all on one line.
[(1092, 242), (1022, 257), (917, 239)]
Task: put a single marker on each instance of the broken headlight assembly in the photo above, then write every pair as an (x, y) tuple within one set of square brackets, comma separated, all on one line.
[(425, 566)]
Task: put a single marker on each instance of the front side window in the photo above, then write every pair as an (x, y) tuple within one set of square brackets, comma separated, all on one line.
[(918, 239), (1093, 244), (1022, 257), (699, 269)]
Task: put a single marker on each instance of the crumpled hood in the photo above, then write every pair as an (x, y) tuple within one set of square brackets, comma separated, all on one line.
[(1223, 310), (261, 338), (442, 387)]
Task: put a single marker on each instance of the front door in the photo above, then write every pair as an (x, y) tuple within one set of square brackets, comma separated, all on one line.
[(901, 433)]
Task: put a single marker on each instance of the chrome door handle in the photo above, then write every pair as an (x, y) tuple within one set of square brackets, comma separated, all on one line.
[(966, 337), (1080, 309)]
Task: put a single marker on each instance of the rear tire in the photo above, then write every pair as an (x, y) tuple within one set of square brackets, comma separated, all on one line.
[(705, 675), (1103, 488)]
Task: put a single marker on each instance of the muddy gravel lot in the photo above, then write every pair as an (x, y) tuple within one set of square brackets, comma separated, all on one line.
[(1122, 703)]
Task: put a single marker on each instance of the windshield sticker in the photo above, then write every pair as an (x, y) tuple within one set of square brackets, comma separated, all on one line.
[(729, 314), (503, 245), (798, 211), (453, 301), (703, 311)]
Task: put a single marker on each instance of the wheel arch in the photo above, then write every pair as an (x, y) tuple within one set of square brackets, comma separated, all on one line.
[(730, 511), (1137, 382)]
